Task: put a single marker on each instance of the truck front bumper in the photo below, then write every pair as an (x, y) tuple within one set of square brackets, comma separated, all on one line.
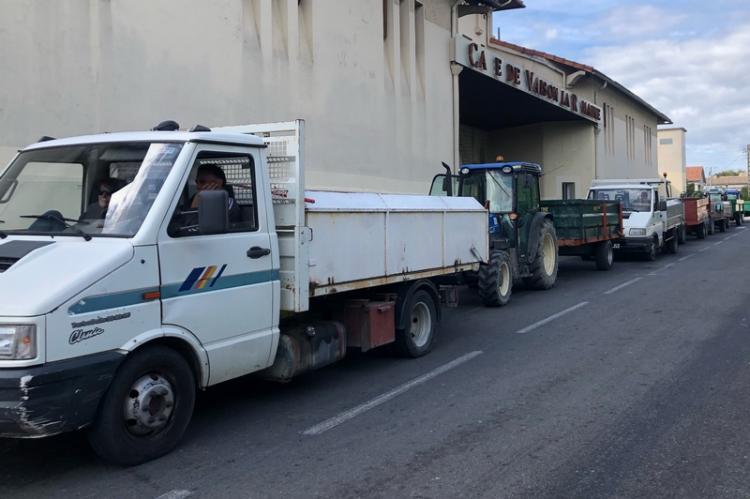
[(55, 397), (632, 243)]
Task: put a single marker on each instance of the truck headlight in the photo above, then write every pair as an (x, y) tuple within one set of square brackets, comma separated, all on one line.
[(637, 232), (17, 342)]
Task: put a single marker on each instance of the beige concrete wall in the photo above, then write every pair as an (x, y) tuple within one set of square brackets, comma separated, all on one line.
[(378, 114), (672, 157)]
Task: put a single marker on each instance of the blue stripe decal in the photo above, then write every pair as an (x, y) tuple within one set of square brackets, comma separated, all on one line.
[(192, 278), (226, 282), (135, 296), (114, 300)]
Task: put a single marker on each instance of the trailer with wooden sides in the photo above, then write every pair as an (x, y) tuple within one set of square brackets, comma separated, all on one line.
[(587, 228), (697, 219)]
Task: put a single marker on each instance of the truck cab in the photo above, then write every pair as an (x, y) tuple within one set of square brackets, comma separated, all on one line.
[(651, 220), (523, 242)]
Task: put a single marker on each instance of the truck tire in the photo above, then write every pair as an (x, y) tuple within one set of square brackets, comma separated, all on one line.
[(701, 231), (147, 408), (672, 245), (496, 280), (604, 255), (544, 267), (416, 339), (711, 228), (682, 234), (653, 250), (723, 225)]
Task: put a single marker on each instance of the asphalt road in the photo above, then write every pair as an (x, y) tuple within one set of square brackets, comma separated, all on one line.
[(637, 387)]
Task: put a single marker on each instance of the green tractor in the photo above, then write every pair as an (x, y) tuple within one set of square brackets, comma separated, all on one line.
[(522, 237)]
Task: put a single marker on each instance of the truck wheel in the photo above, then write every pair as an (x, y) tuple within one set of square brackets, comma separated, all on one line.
[(544, 267), (652, 250), (147, 408), (711, 228), (496, 280), (672, 245), (605, 256), (723, 225), (701, 231), (682, 234), (416, 339)]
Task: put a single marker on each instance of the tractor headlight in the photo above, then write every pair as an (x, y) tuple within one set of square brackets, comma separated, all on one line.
[(17, 342), (637, 232)]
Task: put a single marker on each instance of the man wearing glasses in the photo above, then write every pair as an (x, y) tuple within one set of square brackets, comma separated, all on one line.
[(98, 209)]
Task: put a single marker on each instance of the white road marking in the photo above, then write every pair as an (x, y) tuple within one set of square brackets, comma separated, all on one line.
[(656, 272), (176, 494), (381, 399), (686, 257), (718, 243), (624, 284), (551, 318), (705, 249), (741, 228)]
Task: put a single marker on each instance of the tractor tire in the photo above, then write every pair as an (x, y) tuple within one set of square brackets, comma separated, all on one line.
[(544, 267), (711, 228), (495, 281), (147, 408), (605, 255), (723, 225)]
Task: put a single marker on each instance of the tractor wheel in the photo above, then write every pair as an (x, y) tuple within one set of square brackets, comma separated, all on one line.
[(711, 228), (544, 267), (723, 225), (495, 281)]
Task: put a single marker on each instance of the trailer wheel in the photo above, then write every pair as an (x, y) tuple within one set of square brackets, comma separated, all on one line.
[(672, 245), (496, 280), (416, 338), (544, 267), (652, 250), (701, 231), (682, 234), (605, 255), (147, 408)]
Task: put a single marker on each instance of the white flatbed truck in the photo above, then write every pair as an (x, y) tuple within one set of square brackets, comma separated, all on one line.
[(113, 324)]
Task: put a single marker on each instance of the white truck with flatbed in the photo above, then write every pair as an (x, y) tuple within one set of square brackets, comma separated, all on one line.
[(114, 323), (652, 220)]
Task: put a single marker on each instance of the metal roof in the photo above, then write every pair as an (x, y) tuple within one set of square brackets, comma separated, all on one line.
[(239, 139)]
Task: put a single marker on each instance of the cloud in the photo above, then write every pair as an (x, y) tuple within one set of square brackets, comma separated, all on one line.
[(640, 20), (699, 83)]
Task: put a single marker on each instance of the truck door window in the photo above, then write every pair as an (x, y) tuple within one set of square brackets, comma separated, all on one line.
[(234, 173)]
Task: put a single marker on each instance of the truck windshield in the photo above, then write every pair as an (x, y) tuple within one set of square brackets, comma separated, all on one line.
[(490, 185), (631, 199), (91, 190)]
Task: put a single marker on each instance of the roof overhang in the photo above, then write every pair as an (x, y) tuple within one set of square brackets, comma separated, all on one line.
[(482, 6)]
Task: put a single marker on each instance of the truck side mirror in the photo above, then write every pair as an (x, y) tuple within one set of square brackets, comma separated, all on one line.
[(662, 205), (448, 180), (213, 215)]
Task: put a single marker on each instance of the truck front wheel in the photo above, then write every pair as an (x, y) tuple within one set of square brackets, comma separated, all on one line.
[(544, 267), (672, 244), (146, 409), (652, 250), (496, 280), (604, 255), (420, 323)]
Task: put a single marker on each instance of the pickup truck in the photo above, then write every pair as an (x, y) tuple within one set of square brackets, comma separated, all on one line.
[(114, 323), (652, 220)]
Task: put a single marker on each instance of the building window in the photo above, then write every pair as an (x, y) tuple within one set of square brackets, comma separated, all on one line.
[(609, 129), (666, 142), (630, 136), (648, 144), (568, 190)]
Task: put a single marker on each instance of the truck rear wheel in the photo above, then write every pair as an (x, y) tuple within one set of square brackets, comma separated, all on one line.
[(605, 256), (544, 267), (672, 245), (147, 408), (701, 231), (420, 323), (496, 280)]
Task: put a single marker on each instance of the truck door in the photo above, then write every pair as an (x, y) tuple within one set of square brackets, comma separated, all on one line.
[(527, 205), (220, 286)]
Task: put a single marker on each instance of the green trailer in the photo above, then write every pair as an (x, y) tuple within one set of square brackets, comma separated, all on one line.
[(587, 228)]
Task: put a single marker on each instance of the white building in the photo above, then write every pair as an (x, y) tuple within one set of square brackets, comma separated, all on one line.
[(388, 88), (672, 157)]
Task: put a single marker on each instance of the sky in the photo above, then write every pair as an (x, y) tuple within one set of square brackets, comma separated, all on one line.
[(688, 58)]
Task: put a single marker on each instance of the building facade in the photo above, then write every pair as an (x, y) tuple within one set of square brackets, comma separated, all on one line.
[(672, 157)]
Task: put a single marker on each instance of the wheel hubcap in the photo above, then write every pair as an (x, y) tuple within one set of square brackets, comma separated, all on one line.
[(549, 254), (421, 324), (149, 405), (504, 284)]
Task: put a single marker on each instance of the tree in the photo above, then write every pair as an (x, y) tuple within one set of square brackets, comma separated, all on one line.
[(729, 173)]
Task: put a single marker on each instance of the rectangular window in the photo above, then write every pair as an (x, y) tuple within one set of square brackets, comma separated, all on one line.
[(568, 190), (609, 129), (234, 173), (666, 142)]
